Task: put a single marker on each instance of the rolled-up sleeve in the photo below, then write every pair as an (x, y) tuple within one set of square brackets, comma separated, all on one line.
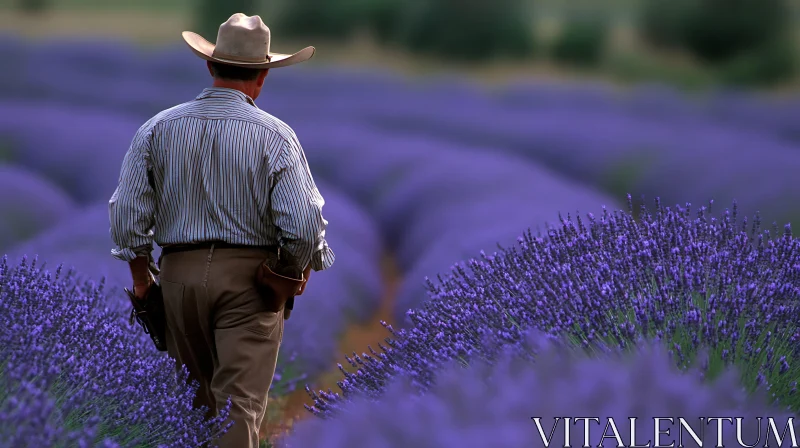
[(296, 207), (132, 206)]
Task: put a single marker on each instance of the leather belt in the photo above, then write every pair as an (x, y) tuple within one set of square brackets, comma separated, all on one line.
[(206, 245)]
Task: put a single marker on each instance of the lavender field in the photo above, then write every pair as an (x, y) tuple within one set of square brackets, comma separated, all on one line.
[(425, 174)]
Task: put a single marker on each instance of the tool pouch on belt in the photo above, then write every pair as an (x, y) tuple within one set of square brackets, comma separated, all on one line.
[(149, 312), (279, 277)]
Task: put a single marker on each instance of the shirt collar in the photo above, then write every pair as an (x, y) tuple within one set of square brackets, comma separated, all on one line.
[(225, 93)]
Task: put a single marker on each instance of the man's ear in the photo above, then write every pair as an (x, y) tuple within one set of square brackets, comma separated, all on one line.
[(262, 76), (210, 68)]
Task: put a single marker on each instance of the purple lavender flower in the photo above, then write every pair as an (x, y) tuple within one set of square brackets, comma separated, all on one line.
[(74, 374), (682, 277), (495, 404)]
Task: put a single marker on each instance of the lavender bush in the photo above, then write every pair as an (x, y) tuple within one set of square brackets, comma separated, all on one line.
[(536, 94), (626, 153), (79, 149), (413, 183), (732, 108), (350, 221), (173, 63), (692, 281), (81, 63), (463, 198), (362, 162), (85, 229), (776, 116), (492, 404), (456, 178), (11, 48), (412, 293), (19, 188), (73, 374)]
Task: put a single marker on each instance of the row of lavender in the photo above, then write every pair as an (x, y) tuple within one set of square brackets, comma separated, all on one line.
[(122, 66), (718, 291), (639, 142), (71, 375), (681, 313)]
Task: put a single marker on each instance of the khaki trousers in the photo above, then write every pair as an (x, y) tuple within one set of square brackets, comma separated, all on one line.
[(218, 328)]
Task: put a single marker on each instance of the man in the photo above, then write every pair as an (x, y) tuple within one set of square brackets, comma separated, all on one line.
[(218, 184)]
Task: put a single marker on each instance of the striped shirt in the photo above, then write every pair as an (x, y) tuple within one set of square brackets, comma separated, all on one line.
[(218, 168)]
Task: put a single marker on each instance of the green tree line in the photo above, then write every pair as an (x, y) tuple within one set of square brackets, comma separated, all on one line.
[(740, 41)]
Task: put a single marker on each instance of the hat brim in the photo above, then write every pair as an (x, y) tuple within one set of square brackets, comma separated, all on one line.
[(204, 49)]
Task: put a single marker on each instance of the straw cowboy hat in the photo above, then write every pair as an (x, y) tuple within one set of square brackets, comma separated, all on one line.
[(243, 41)]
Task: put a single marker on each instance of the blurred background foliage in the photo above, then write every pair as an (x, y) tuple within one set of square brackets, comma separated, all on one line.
[(689, 43)]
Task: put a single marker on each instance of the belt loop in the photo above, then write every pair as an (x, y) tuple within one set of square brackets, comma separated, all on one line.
[(208, 265)]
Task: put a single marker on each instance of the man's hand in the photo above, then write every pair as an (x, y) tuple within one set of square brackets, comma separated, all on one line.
[(140, 291), (306, 274), (142, 280)]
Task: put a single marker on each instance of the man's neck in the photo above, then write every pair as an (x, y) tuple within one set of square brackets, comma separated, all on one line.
[(245, 88)]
